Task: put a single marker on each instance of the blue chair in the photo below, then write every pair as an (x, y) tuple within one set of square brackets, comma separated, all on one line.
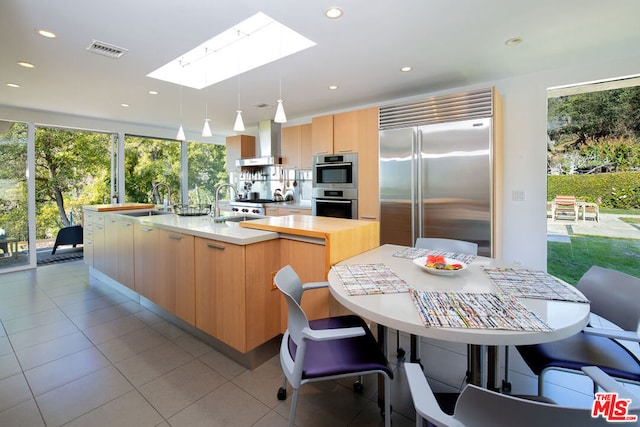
[(325, 349), (615, 297), (479, 407)]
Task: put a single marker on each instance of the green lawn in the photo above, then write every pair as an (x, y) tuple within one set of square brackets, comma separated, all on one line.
[(569, 261)]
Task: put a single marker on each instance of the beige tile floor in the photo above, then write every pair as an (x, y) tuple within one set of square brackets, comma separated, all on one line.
[(75, 352)]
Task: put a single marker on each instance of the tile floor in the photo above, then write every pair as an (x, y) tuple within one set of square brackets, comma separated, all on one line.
[(75, 352)]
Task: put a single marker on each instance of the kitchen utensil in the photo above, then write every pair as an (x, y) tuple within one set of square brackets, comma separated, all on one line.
[(277, 195), (281, 175), (288, 183)]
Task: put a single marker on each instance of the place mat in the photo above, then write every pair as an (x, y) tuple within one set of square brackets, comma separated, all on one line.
[(369, 279), (475, 310), (537, 284), (413, 253)]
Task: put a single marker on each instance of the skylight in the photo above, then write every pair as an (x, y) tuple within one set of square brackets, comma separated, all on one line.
[(252, 43)]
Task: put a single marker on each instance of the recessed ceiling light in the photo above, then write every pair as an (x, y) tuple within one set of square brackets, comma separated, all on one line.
[(406, 69), (514, 41), (47, 34), (333, 87), (333, 12), (254, 42), (26, 64), (125, 105), (12, 84), (153, 92)]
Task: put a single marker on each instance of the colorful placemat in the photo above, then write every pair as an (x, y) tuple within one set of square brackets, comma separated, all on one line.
[(475, 310), (413, 253), (537, 284), (369, 279)]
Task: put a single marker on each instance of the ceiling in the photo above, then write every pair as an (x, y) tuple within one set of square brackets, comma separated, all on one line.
[(449, 44)]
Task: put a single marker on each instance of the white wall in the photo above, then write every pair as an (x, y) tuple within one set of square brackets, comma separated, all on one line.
[(525, 122)]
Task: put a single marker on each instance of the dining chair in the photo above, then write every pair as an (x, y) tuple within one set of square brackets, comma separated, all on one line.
[(325, 349), (614, 297), (435, 243), (480, 407)]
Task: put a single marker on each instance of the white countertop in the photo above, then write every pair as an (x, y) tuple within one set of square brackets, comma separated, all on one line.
[(397, 311), (204, 226)]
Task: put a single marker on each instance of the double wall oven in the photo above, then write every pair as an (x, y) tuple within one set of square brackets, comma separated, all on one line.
[(335, 185)]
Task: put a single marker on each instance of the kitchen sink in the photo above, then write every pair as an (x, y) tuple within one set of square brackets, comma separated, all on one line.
[(145, 213), (237, 218)]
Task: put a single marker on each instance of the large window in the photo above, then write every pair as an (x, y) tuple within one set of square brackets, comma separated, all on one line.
[(14, 224), (206, 171), (594, 165)]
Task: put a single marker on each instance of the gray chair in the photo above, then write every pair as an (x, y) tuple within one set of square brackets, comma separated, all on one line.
[(435, 243), (451, 245), (479, 407), (615, 297), (325, 349)]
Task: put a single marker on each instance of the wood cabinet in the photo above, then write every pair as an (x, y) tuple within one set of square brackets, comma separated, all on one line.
[(358, 131), (322, 135), (164, 271), (296, 147), (235, 300), (93, 240), (87, 237), (306, 151), (239, 147), (293, 211), (118, 249), (308, 261)]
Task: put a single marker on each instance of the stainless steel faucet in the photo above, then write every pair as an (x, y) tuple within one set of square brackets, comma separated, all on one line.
[(218, 188), (154, 189)]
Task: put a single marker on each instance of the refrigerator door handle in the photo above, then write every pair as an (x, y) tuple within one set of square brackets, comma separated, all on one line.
[(416, 183)]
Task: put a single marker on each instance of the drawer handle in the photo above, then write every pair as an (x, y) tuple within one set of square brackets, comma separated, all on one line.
[(146, 229), (345, 151), (214, 246), (293, 210), (368, 217), (99, 227), (126, 224), (175, 236)]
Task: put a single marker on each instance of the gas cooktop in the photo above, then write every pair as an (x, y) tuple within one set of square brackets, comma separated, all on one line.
[(254, 201)]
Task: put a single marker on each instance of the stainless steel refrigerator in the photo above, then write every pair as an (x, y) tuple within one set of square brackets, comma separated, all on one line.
[(436, 181)]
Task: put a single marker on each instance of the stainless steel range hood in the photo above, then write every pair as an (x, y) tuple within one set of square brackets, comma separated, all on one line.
[(269, 142)]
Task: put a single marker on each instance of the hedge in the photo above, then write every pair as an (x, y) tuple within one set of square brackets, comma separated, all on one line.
[(619, 190)]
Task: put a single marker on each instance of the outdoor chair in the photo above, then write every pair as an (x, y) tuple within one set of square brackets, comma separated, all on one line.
[(325, 349), (563, 207), (614, 297), (480, 407), (71, 235), (590, 208)]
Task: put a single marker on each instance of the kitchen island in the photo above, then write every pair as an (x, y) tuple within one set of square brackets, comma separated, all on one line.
[(216, 279)]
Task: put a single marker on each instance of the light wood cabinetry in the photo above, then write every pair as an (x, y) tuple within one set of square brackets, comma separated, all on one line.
[(306, 151), (291, 147), (357, 131), (271, 211), (164, 271), (322, 135), (293, 211), (94, 224), (118, 249), (239, 147), (235, 302), (296, 147), (87, 238), (309, 261)]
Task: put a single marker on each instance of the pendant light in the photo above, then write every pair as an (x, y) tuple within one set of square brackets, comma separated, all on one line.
[(238, 126), (280, 116), (180, 136), (206, 129)]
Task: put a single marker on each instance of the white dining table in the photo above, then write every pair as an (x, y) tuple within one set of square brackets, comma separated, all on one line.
[(397, 310)]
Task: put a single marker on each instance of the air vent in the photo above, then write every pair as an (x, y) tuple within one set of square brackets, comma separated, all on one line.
[(106, 49), (262, 105)]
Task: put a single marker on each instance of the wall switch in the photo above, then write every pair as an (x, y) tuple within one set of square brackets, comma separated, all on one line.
[(518, 196)]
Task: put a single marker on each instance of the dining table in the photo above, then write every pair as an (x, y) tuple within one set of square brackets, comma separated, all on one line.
[(386, 286)]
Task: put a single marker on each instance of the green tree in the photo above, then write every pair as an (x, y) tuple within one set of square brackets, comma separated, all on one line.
[(206, 171), (70, 165)]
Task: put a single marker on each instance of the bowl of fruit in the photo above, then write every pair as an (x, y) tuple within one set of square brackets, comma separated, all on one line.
[(437, 264)]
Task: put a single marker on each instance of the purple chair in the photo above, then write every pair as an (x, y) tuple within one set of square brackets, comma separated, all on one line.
[(325, 349), (614, 297)]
